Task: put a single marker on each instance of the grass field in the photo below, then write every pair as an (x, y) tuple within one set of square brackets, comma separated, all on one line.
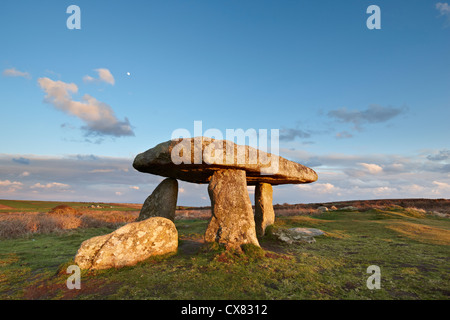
[(411, 247), (45, 206)]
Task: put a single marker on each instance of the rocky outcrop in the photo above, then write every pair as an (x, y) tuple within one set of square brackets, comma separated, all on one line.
[(232, 222), (297, 235), (162, 202), (128, 245), (264, 213), (349, 208)]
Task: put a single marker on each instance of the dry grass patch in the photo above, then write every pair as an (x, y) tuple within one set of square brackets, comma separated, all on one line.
[(337, 234), (407, 212), (109, 218), (303, 221), (294, 211), (422, 232), (18, 224), (308, 220), (13, 225), (6, 259)]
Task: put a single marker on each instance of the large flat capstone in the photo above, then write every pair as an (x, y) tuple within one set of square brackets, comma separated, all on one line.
[(197, 159)]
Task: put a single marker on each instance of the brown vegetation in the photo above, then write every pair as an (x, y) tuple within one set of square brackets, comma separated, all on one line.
[(63, 209), (423, 233), (192, 213), (429, 205), (23, 223)]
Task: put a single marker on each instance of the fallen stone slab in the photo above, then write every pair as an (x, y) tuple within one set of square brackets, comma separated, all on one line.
[(196, 159), (128, 245)]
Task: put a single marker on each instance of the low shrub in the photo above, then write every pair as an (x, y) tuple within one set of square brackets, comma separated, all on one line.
[(63, 210)]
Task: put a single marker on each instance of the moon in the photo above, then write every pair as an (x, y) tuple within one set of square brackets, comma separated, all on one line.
[(128, 74)]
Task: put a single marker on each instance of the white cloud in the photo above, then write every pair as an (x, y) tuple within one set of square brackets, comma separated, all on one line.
[(367, 176), (7, 183), (101, 170), (13, 72), (371, 167), (413, 189), (104, 75), (441, 185), (97, 178), (51, 185), (98, 116), (118, 193), (25, 174), (88, 79), (384, 191), (7, 186), (76, 172), (443, 8), (441, 189), (325, 187), (320, 188)]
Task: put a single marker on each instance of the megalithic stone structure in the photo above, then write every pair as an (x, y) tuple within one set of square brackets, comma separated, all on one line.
[(228, 168)]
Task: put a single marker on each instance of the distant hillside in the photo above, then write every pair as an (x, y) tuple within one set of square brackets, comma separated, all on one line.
[(440, 205), (430, 205)]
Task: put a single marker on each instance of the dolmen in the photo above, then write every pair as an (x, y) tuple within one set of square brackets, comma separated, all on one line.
[(228, 169)]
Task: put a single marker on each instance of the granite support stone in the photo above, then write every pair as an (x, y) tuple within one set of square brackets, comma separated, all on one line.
[(264, 213), (232, 222)]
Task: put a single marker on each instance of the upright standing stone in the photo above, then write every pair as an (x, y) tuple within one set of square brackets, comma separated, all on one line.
[(264, 213), (232, 222), (162, 202)]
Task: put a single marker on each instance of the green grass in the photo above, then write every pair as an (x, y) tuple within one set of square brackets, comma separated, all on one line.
[(45, 206), (412, 266)]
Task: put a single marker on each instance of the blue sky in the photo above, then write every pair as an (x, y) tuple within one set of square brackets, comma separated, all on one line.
[(367, 109)]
